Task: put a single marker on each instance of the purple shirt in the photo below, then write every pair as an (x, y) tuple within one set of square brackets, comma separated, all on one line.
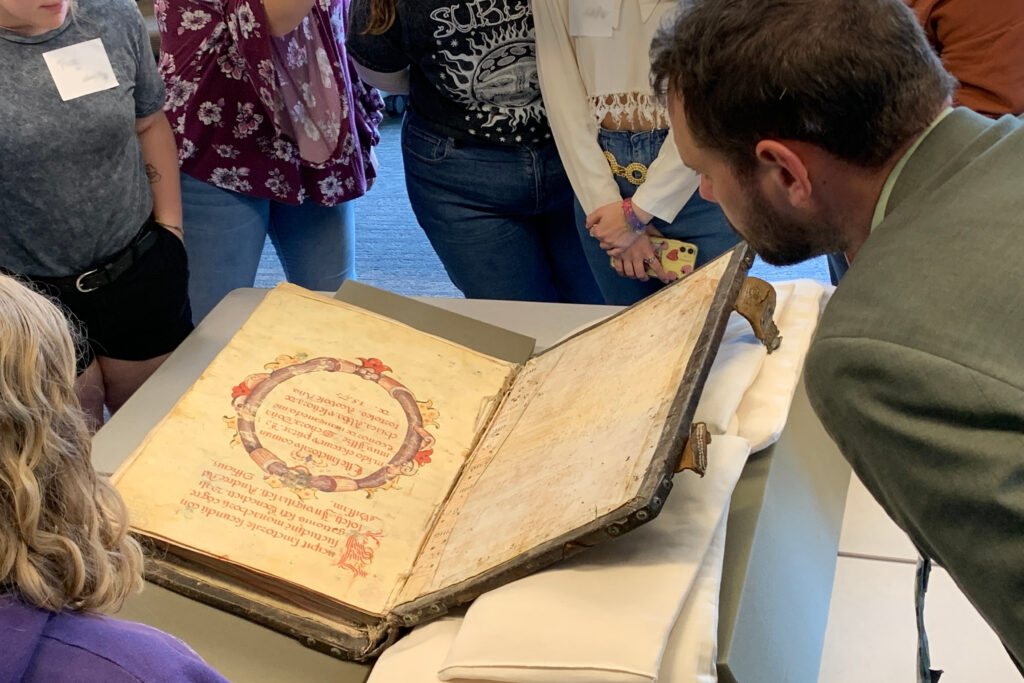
[(39, 645), (285, 119)]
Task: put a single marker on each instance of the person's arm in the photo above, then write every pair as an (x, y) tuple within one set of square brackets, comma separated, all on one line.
[(982, 45), (566, 102), (393, 83), (160, 156), (283, 16), (575, 130), (668, 187), (635, 259), (156, 140), (378, 57), (939, 445)]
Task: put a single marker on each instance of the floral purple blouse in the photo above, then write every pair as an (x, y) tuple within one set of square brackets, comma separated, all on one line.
[(283, 118)]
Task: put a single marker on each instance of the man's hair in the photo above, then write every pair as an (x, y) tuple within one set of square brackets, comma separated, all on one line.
[(64, 539), (854, 77)]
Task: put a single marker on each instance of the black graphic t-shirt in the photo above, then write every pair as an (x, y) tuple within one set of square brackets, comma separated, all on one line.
[(473, 65)]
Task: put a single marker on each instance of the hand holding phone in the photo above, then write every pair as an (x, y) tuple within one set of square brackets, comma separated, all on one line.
[(677, 258)]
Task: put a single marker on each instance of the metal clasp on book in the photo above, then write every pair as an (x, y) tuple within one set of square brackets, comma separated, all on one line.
[(756, 303), (695, 452)]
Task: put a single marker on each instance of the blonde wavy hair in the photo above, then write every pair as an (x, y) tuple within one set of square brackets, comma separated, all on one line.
[(64, 539)]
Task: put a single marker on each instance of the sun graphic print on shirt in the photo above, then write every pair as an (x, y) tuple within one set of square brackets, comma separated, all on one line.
[(486, 51)]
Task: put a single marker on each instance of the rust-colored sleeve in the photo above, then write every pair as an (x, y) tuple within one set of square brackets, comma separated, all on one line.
[(981, 43)]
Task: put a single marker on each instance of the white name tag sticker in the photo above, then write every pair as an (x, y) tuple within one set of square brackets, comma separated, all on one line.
[(80, 69), (594, 18)]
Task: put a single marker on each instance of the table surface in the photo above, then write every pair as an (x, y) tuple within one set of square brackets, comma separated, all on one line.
[(785, 516)]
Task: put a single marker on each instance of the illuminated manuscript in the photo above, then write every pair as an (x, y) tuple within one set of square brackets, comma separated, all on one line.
[(366, 472), (317, 447)]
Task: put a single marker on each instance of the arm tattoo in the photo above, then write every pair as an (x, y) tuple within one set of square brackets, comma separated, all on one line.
[(152, 174)]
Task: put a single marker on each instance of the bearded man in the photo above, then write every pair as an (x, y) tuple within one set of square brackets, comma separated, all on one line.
[(825, 126)]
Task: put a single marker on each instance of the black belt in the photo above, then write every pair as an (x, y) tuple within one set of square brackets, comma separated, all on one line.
[(118, 265)]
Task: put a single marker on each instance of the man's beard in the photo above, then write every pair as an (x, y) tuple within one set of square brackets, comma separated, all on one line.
[(780, 240)]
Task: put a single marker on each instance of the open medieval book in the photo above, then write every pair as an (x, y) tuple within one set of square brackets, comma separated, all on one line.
[(360, 474)]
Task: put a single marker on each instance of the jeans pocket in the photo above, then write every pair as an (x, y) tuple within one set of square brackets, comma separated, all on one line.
[(424, 145)]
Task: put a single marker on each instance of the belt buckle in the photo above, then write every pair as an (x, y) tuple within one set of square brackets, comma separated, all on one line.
[(78, 281)]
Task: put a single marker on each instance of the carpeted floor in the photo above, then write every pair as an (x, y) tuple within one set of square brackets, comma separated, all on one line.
[(392, 252)]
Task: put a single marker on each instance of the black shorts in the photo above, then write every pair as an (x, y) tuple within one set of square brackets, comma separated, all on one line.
[(141, 314)]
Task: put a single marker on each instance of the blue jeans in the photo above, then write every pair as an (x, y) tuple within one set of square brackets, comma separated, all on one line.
[(699, 222), (225, 232), (499, 218)]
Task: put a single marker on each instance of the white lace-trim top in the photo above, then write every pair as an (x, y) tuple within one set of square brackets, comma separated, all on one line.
[(584, 78), (622, 106)]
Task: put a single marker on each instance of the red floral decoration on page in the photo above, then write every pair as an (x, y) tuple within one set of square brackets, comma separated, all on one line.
[(374, 364)]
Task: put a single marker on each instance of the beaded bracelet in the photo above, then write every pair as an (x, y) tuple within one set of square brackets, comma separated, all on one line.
[(631, 217)]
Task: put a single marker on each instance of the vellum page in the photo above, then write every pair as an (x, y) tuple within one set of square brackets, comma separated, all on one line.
[(316, 447), (573, 439)]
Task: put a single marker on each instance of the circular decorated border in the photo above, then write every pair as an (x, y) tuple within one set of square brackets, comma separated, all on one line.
[(405, 461)]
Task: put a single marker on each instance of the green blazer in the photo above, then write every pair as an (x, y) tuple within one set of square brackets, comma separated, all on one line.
[(917, 368)]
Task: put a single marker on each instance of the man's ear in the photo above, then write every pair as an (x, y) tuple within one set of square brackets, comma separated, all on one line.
[(784, 171)]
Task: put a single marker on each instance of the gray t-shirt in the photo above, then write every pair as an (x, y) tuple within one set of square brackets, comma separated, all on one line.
[(73, 187)]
